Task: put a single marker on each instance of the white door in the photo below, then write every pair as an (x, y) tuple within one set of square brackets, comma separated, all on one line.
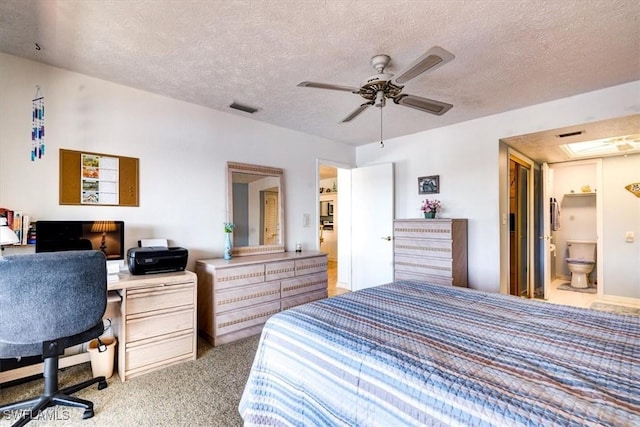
[(270, 219), (372, 226), (546, 231)]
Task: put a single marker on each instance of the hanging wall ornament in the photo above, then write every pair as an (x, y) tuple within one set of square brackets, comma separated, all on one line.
[(634, 188), (37, 126)]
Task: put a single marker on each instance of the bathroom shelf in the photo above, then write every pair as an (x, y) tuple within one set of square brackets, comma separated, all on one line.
[(593, 193)]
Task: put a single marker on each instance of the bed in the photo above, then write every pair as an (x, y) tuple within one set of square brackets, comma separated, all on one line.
[(416, 354)]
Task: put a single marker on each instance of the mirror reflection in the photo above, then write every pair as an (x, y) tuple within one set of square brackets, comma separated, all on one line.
[(255, 206)]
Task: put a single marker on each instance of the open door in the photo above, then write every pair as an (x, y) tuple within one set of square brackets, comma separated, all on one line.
[(372, 225), (546, 231), (521, 246)]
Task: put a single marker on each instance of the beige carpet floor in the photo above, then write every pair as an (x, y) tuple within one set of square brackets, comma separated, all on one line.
[(612, 308), (204, 392)]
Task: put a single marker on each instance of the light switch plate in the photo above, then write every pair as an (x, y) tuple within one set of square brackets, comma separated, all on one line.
[(306, 220)]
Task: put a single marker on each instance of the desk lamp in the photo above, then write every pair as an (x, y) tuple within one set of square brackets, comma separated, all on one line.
[(7, 236), (103, 227)]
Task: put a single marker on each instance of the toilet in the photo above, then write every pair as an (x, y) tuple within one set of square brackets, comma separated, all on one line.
[(582, 259)]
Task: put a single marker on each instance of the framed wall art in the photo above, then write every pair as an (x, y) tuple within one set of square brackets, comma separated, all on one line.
[(429, 184)]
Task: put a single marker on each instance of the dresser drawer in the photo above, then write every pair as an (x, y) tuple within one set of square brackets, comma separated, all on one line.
[(232, 299), (279, 270), (423, 247), (160, 297), (239, 276), (140, 326), (423, 229), (311, 265), (430, 266), (438, 280), (145, 354), (302, 284), (240, 319), (303, 299)]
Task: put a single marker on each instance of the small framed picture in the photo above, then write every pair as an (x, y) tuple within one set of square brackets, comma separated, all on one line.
[(429, 184)]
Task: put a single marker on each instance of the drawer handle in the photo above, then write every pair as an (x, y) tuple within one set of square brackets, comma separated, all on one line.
[(159, 288), (151, 293), (248, 318)]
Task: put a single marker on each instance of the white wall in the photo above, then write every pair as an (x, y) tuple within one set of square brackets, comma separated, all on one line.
[(183, 149), (621, 214), (473, 169)]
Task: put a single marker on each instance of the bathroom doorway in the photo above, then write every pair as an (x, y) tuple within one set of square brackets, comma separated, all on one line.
[(614, 274), (574, 187)]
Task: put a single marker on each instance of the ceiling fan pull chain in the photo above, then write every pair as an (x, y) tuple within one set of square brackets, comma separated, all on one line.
[(381, 141)]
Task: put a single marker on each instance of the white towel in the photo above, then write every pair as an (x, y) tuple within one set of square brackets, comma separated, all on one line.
[(555, 214)]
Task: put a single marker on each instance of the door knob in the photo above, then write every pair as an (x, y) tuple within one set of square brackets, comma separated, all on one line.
[(388, 238)]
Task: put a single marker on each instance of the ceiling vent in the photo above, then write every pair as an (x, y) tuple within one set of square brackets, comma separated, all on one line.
[(568, 134), (242, 107)]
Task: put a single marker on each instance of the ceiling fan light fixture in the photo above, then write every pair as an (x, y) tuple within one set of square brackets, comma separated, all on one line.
[(380, 101)]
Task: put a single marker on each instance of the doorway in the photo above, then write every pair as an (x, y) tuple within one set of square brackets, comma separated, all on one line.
[(520, 172), (329, 225), (269, 218), (364, 252)]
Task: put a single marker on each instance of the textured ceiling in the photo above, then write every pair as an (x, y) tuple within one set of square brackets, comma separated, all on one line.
[(509, 54), (544, 147)]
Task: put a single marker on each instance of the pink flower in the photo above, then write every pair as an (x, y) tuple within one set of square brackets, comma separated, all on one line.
[(431, 205)]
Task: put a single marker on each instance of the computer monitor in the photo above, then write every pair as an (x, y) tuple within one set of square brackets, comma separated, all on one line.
[(105, 236)]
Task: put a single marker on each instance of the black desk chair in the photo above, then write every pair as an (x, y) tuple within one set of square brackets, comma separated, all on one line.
[(51, 301)]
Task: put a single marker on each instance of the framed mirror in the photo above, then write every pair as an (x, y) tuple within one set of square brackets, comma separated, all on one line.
[(255, 205)]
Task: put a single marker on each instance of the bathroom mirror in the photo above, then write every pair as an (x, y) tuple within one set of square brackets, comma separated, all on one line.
[(255, 204)]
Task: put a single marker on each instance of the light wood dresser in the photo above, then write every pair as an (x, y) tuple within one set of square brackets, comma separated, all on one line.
[(158, 323), (432, 250), (237, 296)]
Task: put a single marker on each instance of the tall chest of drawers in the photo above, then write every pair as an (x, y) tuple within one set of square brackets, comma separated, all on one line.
[(237, 296), (432, 250)]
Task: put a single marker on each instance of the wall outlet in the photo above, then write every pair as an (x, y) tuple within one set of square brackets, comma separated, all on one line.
[(629, 237)]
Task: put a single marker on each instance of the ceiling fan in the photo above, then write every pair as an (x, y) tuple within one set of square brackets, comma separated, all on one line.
[(382, 86)]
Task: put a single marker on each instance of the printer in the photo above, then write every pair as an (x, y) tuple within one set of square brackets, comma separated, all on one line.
[(156, 259)]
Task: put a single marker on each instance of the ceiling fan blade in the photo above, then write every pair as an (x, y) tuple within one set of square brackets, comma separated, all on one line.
[(329, 86), (432, 59), (357, 111), (423, 104)]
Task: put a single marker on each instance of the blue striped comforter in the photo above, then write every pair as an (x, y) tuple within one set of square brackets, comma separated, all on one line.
[(414, 354)]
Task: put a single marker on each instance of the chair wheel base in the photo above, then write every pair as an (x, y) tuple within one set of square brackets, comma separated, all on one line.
[(102, 384), (87, 414)]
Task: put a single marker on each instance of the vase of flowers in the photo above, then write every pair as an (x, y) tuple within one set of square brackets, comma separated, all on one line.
[(430, 208), (228, 247)]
